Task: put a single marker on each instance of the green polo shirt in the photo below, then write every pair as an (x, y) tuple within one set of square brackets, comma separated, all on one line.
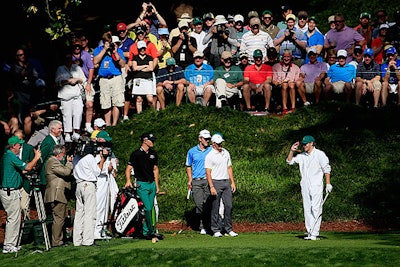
[(234, 75), (11, 171)]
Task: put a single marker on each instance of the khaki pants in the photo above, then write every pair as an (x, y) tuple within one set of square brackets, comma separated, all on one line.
[(25, 204)]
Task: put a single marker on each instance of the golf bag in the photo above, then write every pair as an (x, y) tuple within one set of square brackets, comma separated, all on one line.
[(128, 215)]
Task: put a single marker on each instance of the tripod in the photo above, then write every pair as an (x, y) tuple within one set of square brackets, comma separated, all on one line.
[(35, 190)]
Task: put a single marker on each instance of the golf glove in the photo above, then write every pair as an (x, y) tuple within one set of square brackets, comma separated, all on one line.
[(328, 188)]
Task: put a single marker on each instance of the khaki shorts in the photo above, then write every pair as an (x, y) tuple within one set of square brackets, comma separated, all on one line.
[(309, 88), (112, 92), (90, 95), (199, 90), (338, 87)]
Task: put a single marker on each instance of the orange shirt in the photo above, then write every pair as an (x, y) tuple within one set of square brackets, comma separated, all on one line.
[(151, 50)]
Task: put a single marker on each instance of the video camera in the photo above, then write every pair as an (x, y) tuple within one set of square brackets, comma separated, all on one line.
[(34, 179), (86, 146)]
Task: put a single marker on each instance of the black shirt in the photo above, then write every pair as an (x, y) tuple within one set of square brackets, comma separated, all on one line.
[(143, 164)]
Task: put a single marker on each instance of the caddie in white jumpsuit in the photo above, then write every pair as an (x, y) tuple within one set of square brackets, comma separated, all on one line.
[(313, 165)]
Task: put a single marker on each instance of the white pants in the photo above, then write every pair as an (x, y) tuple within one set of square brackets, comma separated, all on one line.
[(101, 206), (72, 111), (312, 205), (222, 90), (85, 214)]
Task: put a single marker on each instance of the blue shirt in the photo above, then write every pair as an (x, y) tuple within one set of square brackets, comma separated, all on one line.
[(316, 39), (291, 45), (199, 76), (393, 78), (108, 67), (195, 159), (346, 73)]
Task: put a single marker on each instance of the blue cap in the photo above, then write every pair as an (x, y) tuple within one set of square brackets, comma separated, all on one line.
[(391, 50), (369, 52)]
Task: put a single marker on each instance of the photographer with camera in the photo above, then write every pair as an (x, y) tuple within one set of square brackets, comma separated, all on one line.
[(150, 13), (59, 177), (110, 59), (222, 39), (86, 171), (183, 46), (10, 194)]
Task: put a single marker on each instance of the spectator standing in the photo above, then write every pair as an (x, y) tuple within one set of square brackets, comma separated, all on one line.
[(381, 18), (365, 29), (312, 75), (313, 165), (10, 195), (291, 39), (285, 10), (255, 39), (368, 78), (238, 24), (163, 47), (250, 15), (59, 177), (150, 13), (302, 21), (314, 38), (111, 60), (144, 162), (70, 78), (222, 185), (285, 76), (378, 43), (393, 33), (257, 79), (199, 77), (85, 44), (197, 180), (340, 77), (185, 17), (267, 24), (228, 81), (198, 33), (343, 37), (84, 59), (208, 19), (183, 45), (390, 71), (170, 81)]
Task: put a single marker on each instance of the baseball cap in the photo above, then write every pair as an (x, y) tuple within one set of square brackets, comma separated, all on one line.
[(229, 18), (311, 50), (171, 61), (205, 134), (163, 31), (313, 18), (185, 17), (198, 53), (220, 20), (383, 26), (272, 52), (217, 138), (243, 54), (13, 140), (290, 16), (365, 15), (368, 52), (140, 29), (238, 17), (252, 14), (307, 139), (197, 20), (121, 26), (331, 19), (141, 44), (148, 136), (115, 39), (99, 122), (208, 15), (358, 48), (226, 54), (391, 50), (285, 8), (267, 12), (183, 23), (104, 134), (342, 53), (257, 53)]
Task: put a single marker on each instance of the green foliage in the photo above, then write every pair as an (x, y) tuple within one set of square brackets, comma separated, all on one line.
[(360, 144)]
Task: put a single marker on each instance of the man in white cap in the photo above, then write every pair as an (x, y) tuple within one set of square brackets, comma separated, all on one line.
[(98, 124), (175, 31), (183, 45), (197, 180), (314, 165), (340, 77), (220, 178)]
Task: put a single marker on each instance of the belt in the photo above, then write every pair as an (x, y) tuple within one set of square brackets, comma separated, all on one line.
[(109, 76), (9, 189), (203, 178)]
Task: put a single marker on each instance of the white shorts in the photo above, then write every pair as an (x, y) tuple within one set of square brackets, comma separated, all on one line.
[(143, 87), (393, 88)]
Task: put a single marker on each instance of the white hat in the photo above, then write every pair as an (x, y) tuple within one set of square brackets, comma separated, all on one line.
[(238, 17), (311, 49), (185, 17), (198, 53), (141, 44), (220, 19), (217, 138), (342, 53), (183, 23), (115, 39), (99, 122), (205, 134), (384, 26)]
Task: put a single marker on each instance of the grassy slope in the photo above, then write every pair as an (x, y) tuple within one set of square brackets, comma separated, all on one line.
[(362, 145)]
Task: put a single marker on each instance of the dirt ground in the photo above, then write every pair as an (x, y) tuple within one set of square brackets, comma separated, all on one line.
[(175, 226)]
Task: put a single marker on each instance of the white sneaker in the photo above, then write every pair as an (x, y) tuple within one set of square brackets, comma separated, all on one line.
[(232, 233), (307, 103), (75, 136), (67, 138), (313, 238), (217, 234), (9, 249), (203, 232), (125, 118)]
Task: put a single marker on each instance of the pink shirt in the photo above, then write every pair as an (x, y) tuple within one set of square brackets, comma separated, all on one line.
[(285, 73)]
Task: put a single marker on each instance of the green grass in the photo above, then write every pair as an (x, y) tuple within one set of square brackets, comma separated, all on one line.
[(248, 249), (362, 145)]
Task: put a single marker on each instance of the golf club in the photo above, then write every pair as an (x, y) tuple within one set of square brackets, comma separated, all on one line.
[(186, 206), (316, 220)]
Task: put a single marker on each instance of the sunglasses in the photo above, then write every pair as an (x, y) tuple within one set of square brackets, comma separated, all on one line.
[(119, 32), (303, 18), (341, 57), (267, 17), (226, 60), (255, 26)]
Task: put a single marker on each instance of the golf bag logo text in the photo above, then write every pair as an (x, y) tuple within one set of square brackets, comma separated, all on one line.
[(126, 215)]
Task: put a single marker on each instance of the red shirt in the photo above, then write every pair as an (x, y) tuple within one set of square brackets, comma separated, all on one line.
[(377, 42), (151, 50), (257, 76)]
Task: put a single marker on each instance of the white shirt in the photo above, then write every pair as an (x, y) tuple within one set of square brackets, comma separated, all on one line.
[(86, 169), (251, 42), (218, 162)]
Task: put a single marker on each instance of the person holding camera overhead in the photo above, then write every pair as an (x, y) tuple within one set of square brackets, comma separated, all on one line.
[(10, 194), (292, 39), (150, 13), (221, 38), (110, 59), (86, 171)]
